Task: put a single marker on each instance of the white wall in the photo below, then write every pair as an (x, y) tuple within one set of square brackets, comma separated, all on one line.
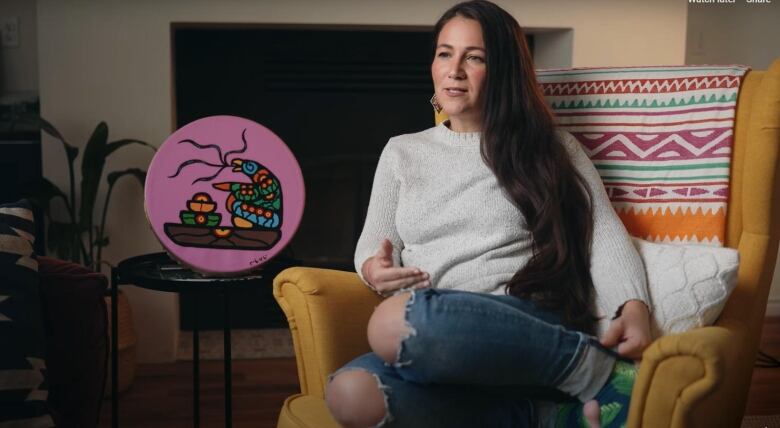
[(110, 60), (740, 33), (737, 33), (19, 65)]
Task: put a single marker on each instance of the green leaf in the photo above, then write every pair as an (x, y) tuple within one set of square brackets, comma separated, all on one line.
[(49, 129), (118, 144), (609, 412), (623, 385), (43, 192), (624, 377), (91, 169), (101, 242), (71, 152), (135, 172)]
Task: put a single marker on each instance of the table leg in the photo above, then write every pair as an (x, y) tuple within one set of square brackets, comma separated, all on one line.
[(114, 350), (228, 364), (195, 363)]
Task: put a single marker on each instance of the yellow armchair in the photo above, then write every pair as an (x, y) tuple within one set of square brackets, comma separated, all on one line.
[(696, 379)]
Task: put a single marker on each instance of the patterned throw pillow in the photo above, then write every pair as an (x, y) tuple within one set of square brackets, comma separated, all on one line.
[(661, 139), (23, 387), (688, 284)]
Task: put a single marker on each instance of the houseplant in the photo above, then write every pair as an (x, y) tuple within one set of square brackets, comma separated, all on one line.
[(79, 238)]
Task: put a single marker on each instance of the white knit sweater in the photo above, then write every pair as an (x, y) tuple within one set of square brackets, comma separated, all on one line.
[(442, 208)]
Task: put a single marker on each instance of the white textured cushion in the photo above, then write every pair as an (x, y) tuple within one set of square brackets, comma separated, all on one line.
[(688, 284)]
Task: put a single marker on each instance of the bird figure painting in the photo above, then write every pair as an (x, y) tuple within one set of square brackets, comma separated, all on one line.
[(256, 204)]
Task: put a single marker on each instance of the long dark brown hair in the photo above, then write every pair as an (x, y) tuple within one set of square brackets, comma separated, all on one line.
[(519, 144)]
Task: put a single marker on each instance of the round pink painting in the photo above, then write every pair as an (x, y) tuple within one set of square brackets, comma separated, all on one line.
[(224, 195)]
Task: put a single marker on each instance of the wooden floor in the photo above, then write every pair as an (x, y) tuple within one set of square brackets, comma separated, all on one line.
[(161, 395), (764, 395)]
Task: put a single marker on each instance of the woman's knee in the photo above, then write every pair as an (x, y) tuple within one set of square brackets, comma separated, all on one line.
[(387, 327), (355, 399)]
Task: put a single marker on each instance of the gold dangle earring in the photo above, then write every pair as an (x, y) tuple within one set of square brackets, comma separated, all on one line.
[(435, 104)]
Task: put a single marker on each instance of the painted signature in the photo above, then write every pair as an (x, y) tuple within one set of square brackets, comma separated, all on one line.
[(258, 260)]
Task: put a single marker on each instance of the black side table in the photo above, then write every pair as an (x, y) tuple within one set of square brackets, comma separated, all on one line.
[(158, 271)]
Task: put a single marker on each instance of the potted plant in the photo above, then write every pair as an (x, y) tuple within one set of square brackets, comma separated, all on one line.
[(79, 237)]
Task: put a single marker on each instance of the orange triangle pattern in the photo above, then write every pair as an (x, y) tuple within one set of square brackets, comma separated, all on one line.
[(683, 224)]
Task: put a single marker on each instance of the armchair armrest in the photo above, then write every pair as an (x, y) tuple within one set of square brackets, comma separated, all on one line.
[(328, 311), (690, 380), (685, 380)]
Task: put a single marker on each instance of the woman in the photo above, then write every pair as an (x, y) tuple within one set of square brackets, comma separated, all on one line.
[(494, 237)]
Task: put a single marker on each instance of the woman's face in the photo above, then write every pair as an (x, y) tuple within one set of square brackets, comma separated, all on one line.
[(458, 72)]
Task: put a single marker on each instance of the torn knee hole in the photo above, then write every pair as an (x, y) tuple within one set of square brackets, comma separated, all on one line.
[(352, 398), (410, 332)]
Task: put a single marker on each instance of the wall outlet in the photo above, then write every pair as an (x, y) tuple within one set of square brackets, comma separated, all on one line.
[(9, 28)]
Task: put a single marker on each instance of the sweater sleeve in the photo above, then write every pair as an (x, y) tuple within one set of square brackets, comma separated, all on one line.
[(615, 266), (380, 218)]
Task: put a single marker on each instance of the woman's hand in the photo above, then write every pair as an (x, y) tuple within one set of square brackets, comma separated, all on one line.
[(383, 277), (630, 331)]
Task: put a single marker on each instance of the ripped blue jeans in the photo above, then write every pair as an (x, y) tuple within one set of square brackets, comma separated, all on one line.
[(481, 360)]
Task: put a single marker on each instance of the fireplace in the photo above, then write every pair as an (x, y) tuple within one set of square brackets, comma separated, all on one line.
[(334, 94)]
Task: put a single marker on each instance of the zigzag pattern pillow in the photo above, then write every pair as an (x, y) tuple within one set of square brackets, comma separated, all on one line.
[(23, 387), (661, 139)]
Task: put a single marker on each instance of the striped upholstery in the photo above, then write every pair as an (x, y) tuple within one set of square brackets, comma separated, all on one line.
[(661, 139)]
